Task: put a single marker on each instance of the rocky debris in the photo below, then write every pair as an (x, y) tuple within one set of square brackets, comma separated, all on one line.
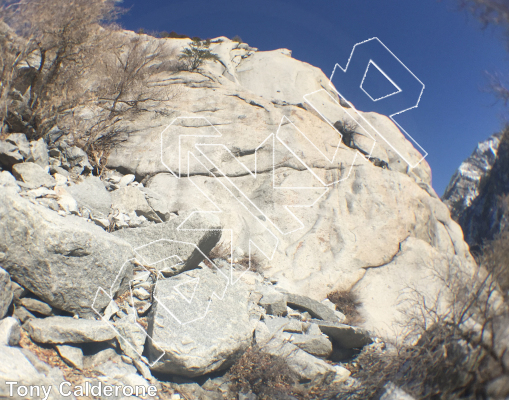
[(33, 175), (346, 336), (6, 291), (316, 345), (22, 366), (92, 194), (273, 302), (63, 330), (66, 260), (131, 337), (159, 204), (22, 314), (129, 199), (8, 181), (39, 153), (159, 245), (313, 307), (10, 332), (37, 306), (10, 154), (75, 160), (66, 201), (208, 328), (72, 355)]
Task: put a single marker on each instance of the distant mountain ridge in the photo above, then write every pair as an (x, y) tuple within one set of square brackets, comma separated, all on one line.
[(478, 191)]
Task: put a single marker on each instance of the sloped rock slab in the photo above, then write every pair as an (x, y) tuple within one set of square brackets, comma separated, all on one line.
[(313, 307), (92, 194), (60, 330), (203, 335), (346, 336), (33, 174), (61, 260), (174, 250), (23, 367)]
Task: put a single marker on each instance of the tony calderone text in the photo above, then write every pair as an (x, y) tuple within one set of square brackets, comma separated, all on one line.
[(66, 389)]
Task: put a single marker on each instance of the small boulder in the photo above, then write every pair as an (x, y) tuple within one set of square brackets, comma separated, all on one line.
[(92, 194), (129, 199), (346, 336), (9, 154), (273, 302), (198, 324), (316, 345), (37, 306), (71, 355), (32, 174), (59, 330), (313, 307), (10, 332), (6, 294), (39, 153)]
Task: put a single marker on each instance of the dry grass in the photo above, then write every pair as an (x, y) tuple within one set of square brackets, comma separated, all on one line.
[(265, 375), (348, 303)]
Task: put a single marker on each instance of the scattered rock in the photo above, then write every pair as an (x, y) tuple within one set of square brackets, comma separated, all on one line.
[(19, 365), (129, 199), (58, 330), (10, 332), (132, 337), (6, 294), (8, 181), (392, 392), (71, 355), (23, 314), (126, 180), (317, 345), (313, 307), (101, 357), (37, 306), (32, 174), (9, 154), (92, 194), (65, 260), (209, 327), (346, 336), (273, 302), (39, 153), (157, 245)]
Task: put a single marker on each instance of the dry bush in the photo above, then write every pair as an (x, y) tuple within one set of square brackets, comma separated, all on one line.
[(265, 375), (461, 348), (348, 303)]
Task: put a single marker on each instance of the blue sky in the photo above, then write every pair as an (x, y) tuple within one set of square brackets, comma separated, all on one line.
[(444, 48)]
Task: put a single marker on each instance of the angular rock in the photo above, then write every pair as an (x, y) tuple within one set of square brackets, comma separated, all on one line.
[(158, 203), (313, 307), (316, 345), (66, 201), (307, 367), (92, 194), (6, 293), (129, 199), (32, 174), (61, 260), (39, 153), (392, 392), (9, 154), (157, 245), (37, 306), (10, 332), (126, 180), (100, 357), (59, 330), (8, 181), (346, 336), (76, 157), (204, 335), (19, 365), (71, 354), (273, 302), (23, 314), (20, 141), (131, 337)]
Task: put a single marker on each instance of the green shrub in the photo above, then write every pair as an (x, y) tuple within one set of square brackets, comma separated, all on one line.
[(196, 54)]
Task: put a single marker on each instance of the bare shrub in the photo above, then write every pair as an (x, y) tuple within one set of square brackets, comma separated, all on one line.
[(347, 302), (262, 373)]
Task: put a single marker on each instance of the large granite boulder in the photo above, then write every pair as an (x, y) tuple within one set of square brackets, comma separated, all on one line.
[(63, 260), (199, 323)]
